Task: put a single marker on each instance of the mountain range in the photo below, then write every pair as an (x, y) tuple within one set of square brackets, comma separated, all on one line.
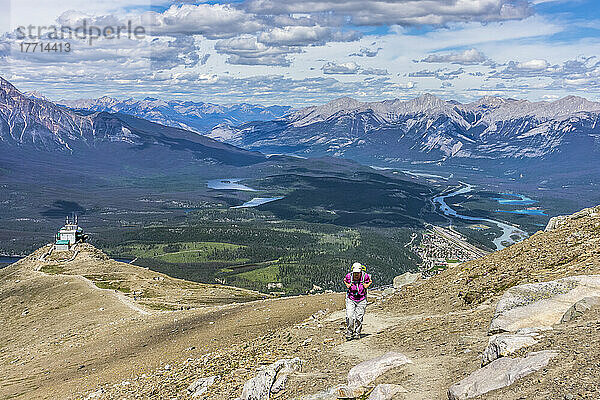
[(428, 129), (38, 126), (194, 116)]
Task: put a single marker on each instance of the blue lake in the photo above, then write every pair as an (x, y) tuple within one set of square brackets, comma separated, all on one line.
[(228, 184), (524, 212), (516, 200), (257, 201), (7, 260)]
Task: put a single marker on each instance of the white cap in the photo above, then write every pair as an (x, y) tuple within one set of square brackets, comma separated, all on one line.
[(357, 267)]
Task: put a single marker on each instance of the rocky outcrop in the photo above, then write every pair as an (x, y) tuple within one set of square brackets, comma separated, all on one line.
[(558, 221), (498, 374), (504, 345), (405, 279), (270, 379), (366, 372), (579, 308), (541, 304)]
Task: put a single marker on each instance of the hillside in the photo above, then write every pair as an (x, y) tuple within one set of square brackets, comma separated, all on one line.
[(71, 324), (441, 324)]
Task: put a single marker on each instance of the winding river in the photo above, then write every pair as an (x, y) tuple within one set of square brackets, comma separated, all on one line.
[(507, 230)]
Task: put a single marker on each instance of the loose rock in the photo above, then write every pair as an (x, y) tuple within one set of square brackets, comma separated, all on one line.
[(405, 279), (261, 386), (366, 372), (200, 386), (579, 308), (541, 304), (504, 345), (385, 392), (498, 374)]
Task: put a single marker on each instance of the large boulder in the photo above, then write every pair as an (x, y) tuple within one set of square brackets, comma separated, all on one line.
[(270, 379), (405, 279), (541, 304), (366, 372), (503, 345), (498, 374), (579, 308)]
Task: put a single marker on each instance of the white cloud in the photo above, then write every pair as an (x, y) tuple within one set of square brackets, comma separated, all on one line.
[(467, 57), (401, 12), (442, 74), (247, 50), (213, 21), (344, 68), (533, 65), (374, 71), (366, 52), (305, 35)]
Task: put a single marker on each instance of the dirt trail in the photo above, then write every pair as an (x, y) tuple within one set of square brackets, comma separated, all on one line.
[(126, 301)]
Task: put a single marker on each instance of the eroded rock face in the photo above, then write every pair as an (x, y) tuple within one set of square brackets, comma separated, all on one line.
[(366, 372), (498, 374), (579, 308), (405, 279), (541, 304), (270, 378)]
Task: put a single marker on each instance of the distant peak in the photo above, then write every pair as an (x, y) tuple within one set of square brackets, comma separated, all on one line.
[(493, 101), (428, 96), (7, 86), (428, 101), (105, 98), (345, 101), (36, 95), (337, 105)]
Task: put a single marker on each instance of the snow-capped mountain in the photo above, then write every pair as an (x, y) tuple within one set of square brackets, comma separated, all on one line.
[(195, 116), (428, 129), (36, 126)]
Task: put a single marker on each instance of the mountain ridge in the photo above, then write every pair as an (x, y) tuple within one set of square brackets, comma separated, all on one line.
[(39, 125), (199, 117), (427, 128)]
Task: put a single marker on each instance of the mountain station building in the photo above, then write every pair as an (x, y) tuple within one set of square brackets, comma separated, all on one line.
[(69, 235)]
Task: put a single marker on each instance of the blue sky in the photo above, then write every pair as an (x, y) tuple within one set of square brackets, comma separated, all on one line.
[(300, 52)]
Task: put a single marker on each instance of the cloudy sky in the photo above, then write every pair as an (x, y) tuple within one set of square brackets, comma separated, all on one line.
[(299, 52)]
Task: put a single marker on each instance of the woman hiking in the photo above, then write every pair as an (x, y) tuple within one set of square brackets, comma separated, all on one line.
[(357, 283)]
